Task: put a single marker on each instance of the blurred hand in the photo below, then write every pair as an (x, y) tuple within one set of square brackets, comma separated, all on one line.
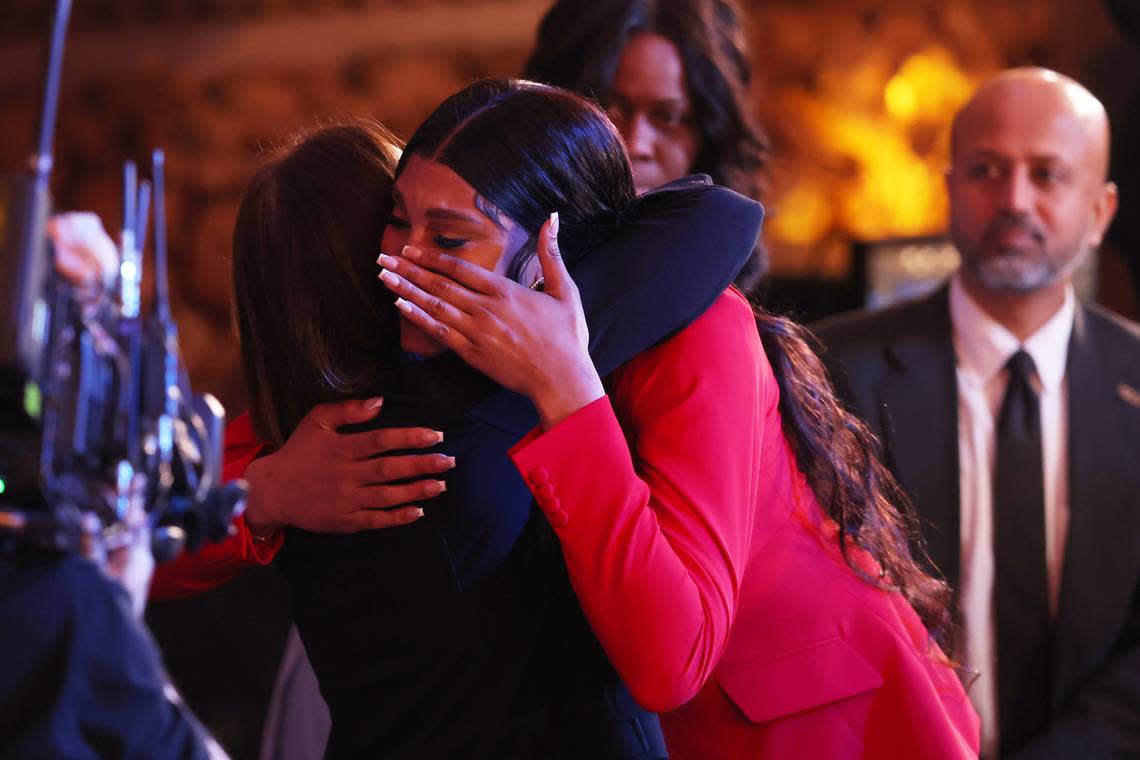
[(85, 255), (329, 482), (131, 562), (133, 566)]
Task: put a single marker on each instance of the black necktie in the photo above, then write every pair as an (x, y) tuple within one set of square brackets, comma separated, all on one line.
[(1021, 602)]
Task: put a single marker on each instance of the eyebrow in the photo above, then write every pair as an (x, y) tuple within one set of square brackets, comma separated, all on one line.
[(673, 102), (439, 214), (987, 153), (448, 215)]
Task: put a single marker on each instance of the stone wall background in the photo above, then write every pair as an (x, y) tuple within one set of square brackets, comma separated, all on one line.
[(217, 88), (217, 83)]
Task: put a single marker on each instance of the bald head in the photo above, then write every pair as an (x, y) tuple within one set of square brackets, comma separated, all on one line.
[(1038, 94), (1028, 185)]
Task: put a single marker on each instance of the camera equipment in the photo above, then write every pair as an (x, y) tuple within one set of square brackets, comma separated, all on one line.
[(96, 418)]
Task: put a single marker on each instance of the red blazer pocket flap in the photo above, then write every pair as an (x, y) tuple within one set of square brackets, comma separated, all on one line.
[(799, 679)]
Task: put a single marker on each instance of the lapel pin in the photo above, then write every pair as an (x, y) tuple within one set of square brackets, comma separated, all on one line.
[(1128, 394)]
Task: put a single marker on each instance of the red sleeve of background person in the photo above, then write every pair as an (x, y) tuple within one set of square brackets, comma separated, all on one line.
[(216, 564)]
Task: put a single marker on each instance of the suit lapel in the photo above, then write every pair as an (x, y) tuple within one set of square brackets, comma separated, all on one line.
[(921, 427), (1099, 571)]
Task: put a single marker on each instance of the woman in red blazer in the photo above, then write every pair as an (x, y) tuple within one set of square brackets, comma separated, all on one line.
[(731, 537)]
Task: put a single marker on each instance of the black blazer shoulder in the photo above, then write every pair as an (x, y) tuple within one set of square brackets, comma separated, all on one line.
[(862, 349), (895, 369), (859, 346), (859, 337), (1115, 325), (1114, 338)]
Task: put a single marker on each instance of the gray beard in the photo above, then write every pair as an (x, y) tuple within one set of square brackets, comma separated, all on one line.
[(1023, 274)]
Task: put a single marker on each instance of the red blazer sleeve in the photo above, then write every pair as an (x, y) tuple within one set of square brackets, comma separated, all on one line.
[(216, 564), (656, 515)]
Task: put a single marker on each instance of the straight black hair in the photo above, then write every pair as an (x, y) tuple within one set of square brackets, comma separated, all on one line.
[(529, 149)]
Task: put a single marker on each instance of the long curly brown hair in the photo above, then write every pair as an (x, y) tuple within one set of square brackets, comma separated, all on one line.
[(838, 455), (315, 324)]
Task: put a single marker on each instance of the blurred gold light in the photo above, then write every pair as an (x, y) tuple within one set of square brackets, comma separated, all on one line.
[(928, 87), (900, 98), (882, 164), (804, 214)]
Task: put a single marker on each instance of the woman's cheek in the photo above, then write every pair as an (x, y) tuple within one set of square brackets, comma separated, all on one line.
[(392, 241)]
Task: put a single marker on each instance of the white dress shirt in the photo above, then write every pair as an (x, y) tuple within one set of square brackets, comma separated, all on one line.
[(982, 347)]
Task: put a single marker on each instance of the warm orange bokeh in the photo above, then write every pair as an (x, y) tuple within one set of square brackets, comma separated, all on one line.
[(877, 134)]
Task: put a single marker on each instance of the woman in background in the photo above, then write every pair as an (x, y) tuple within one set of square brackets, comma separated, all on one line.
[(674, 77)]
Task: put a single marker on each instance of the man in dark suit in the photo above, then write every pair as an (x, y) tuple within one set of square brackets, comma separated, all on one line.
[(1010, 413)]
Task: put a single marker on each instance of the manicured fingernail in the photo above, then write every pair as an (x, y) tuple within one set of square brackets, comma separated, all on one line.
[(388, 278), (403, 306), (389, 262), (410, 252), (438, 487), (436, 436), (450, 462), (418, 513), (553, 228), (373, 403)]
